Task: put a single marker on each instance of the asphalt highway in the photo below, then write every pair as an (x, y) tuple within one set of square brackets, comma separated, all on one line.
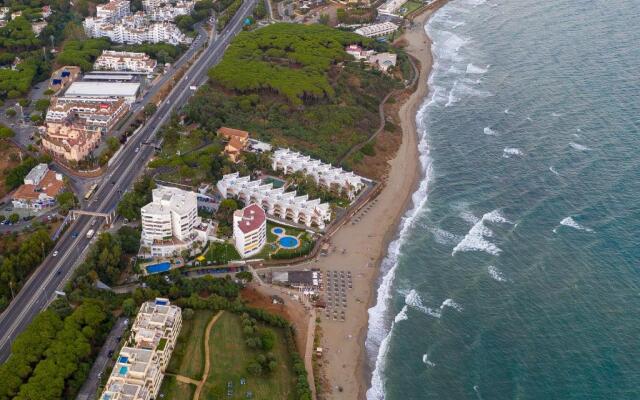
[(38, 291)]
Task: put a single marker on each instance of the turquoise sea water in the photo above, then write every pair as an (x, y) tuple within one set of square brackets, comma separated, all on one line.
[(517, 274)]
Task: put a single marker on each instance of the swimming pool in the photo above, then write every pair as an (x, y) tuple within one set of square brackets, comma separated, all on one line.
[(156, 268), (288, 242), (123, 371), (277, 231)]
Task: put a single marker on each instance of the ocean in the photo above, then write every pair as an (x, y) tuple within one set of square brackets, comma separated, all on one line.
[(516, 274)]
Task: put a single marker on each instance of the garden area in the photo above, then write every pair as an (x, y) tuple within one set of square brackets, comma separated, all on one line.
[(188, 356), (285, 242), (233, 361)]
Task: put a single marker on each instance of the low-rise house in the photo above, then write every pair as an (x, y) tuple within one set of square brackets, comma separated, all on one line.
[(237, 141), (358, 52), (249, 230), (40, 188), (38, 27), (383, 61), (63, 77)]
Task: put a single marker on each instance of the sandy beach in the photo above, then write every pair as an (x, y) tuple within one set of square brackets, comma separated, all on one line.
[(360, 247)]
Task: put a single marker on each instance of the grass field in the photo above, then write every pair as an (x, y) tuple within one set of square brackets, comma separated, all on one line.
[(188, 357), (229, 359), (172, 389)]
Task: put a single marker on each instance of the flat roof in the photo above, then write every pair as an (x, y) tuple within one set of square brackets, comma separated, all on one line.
[(103, 89)]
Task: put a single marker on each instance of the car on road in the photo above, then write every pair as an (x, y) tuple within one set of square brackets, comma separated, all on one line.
[(137, 149), (110, 353), (55, 253), (74, 235), (93, 222)]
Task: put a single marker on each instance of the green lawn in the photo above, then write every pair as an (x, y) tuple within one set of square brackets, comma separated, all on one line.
[(172, 389), (230, 357), (221, 253), (188, 357), (412, 6)]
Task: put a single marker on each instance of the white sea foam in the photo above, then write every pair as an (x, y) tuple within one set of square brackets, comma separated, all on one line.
[(379, 332), (509, 152), (489, 131), (553, 170), (571, 223), (555, 114), (496, 274), (413, 300), (579, 147), (444, 237), (426, 361), (475, 239), (506, 111), (402, 315), (475, 69)]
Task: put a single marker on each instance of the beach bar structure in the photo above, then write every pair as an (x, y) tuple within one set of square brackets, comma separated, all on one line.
[(275, 202), (335, 179)]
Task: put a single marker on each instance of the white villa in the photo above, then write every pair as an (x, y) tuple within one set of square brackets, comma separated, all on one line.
[(170, 223), (275, 202), (324, 174), (140, 366)]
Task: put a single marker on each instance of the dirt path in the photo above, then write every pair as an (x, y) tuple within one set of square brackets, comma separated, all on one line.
[(207, 363), (186, 379)]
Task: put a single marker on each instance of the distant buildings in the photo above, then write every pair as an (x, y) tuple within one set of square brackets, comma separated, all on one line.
[(275, 202), (40, 188), (38, 27), (249, 230), (124, 61), (164, 11), (170, 223), (115, 21), (335, 179), (380, 61), (140, 366), (377, 30), (74, 126), (237, 141), (390, 7)]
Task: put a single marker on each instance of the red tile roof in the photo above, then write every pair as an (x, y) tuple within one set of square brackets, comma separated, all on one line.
[(49, 185), (230, 132), (253, 217)]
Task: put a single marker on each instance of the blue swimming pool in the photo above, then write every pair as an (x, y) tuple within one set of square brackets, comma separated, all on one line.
[(155, 268), (123, 359), (123, 371), (278, 231), (288, 242)]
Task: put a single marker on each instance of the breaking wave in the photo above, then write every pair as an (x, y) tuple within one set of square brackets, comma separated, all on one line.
[(496, 274), (571, 223), (579, 147), (509, 152), (475, 239)]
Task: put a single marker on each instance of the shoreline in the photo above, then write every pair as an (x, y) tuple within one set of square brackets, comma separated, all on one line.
[(361, 246)]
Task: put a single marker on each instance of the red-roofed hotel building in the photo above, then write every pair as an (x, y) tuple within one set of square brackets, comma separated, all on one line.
[(249, 230)]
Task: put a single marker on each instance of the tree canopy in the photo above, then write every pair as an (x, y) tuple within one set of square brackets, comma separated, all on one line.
[(290, 59)]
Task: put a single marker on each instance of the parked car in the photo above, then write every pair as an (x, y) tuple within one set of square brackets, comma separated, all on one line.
[(55, 253)]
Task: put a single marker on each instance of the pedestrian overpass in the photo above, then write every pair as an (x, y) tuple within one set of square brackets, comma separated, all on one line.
[(108, 217)]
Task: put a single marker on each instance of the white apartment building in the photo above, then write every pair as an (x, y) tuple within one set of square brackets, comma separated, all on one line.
[(114, 10), (377, 30), (140, 366), (249, 230), (39, 190), (161, 11), (326, 175), (275, 202), (131, 30), (170, 223), (124, 61)]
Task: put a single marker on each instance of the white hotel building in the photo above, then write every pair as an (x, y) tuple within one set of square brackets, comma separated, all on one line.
[(124, 61), (170, 223), (140, 366), (249, 230), (275, 202), (335, 179), (377, 30)]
